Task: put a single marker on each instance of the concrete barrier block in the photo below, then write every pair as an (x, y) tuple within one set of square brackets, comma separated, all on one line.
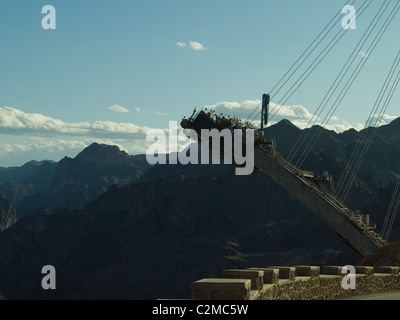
[(256, 276), (387, 269), (221, 289), (271, 276), (309, 285), (285, 272), (367, 270), (307, 271), (332, 270)]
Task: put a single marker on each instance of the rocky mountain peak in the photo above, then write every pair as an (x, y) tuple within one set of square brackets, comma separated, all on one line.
[(101, 152)]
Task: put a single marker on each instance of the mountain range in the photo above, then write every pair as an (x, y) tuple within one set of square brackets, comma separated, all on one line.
[(115, 227), (72, 183), (384, 140)]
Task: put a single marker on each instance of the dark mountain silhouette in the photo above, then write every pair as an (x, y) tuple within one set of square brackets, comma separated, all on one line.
[(8, 214), (31, 182), (18, 174), (149, 240), (78, 181), (151, 237), (385, 143)]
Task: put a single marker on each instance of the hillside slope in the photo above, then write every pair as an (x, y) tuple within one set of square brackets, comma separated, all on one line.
[(8, 214)]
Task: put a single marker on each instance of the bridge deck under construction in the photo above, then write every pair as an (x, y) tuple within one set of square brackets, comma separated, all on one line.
[(352, 227)]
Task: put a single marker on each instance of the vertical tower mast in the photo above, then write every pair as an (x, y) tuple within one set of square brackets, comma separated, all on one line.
[(265, 111)]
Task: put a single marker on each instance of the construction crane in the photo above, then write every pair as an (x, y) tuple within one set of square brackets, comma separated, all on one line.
[(353, 227)]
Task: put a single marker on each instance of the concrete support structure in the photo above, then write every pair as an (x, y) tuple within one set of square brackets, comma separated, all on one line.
[(352, 227), (256, 276), (308, 194), (387, 270), (308, 284), (271, 275), (221, 289), (286, 272)]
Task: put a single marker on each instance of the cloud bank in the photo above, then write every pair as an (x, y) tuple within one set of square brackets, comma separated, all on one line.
[(17, 122), (34, 136), (299, 115)]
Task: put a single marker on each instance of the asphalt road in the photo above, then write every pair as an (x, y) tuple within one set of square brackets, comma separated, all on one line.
[(378, 296)]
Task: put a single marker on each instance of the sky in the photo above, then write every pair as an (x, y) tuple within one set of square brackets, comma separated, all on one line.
[(111, 71)]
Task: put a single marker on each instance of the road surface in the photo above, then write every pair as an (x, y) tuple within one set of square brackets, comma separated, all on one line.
[(378, 296)]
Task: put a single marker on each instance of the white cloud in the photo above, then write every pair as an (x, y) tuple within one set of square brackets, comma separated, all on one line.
[(159, 113), (299, 115), (17, 122), (381, 119), (27, 136), (243, 110), (290, 112), (181, 44), (344, 126), (197, 46), (239, 109), (30, 136), (152, 111), (118, 108), (194, 45)]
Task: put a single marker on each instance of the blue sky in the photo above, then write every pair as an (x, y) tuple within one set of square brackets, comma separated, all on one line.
[(156, 60)]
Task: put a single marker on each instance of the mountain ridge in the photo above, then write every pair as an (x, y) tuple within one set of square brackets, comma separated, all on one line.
[(80, 180), (149, 238), (385, 142)]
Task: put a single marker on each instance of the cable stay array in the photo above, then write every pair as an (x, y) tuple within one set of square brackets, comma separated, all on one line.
[(323, 35), (352, 226), (339, 79), (392, 212), (366, 136), (350, 81), (309, 60)]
